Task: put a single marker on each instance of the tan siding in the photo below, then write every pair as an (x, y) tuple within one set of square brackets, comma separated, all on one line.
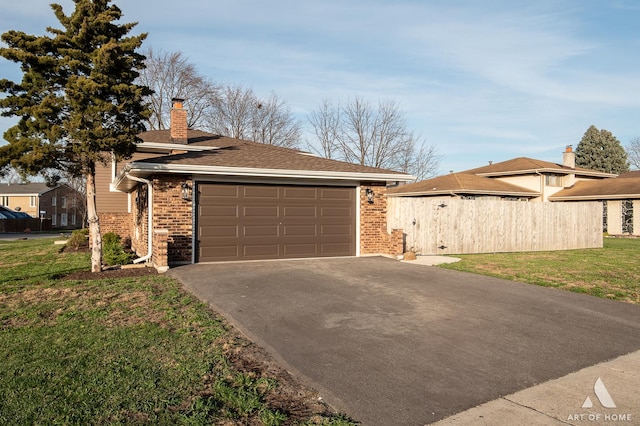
[(23, 202), (106, 200)]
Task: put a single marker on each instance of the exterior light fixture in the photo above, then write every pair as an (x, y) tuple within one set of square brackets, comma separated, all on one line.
[(369, 193), (186, 191)]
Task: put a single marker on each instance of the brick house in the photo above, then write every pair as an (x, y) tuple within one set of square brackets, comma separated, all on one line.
[(63, 205), (188, 196)]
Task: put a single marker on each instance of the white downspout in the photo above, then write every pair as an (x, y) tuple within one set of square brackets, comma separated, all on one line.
[(149, 218), (542, 185)]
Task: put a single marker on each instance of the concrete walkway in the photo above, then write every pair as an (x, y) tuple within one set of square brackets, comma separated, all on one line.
[(391, 343), (431, 260), (560, 401)]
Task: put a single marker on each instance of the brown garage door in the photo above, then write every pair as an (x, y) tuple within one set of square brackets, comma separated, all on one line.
[(247, 222)]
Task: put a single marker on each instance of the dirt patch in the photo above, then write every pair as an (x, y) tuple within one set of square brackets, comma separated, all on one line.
[(289, 397)]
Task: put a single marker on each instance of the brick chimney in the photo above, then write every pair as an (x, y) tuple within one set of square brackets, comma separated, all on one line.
[(178, 122), (569, 160), (569, 157)]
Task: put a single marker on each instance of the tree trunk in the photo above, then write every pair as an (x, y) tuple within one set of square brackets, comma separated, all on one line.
[(94, 223)]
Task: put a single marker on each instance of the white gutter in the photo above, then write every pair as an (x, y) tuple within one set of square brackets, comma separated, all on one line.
[(149, 219), (463, 191), (601, 197)]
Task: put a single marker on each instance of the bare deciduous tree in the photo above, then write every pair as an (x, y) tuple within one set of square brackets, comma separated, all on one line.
[(239, 113), (325, 124), (170, 75), (372, 135), (233, 113), (274, 124), (633, 151)]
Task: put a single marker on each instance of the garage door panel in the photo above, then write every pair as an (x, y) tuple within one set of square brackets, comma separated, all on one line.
[(306, 212), (219, 231), (226, 191), (260, 192), (261, 250), (246, 222), (299, 230), (333, 249), (301, 250), (219, 211), (343, 230), (260, 231), (339, 212), (300, 193), (335, 194), (261, 211), (228, 252)]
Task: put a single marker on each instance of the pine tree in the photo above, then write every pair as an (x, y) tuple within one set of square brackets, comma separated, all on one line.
[(600, 150), (77, 103)]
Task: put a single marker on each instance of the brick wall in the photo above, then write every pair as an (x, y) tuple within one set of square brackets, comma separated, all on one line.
[(118, 223), (160, 258), (374, 238), (174, 214)]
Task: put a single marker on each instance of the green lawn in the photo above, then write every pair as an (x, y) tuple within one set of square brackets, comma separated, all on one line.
[(612, 272), (126, 351)]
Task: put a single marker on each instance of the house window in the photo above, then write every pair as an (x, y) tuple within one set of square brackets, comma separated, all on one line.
[(53, 220), (33, 201), (63, 219), (73, 219), (54, 201), (4, 201), (74, 202), (553, 180), (627, 217), (63, 202)]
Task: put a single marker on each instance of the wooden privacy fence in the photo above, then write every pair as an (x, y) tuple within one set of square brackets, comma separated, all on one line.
[(20, 225), (454, 226)]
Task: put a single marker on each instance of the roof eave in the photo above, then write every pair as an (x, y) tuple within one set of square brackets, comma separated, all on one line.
[(580, 172), (465, 191), (122, 183), (596, 197)]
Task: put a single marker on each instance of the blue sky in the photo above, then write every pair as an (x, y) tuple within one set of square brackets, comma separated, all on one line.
[(481, 80)]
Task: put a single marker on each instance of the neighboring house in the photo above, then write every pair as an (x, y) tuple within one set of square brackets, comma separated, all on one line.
[(61, 204), (189, 196), (517, 179), (620, 199), (527, 179)]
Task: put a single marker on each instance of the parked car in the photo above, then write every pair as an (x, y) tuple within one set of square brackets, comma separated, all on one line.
[(7, 213)]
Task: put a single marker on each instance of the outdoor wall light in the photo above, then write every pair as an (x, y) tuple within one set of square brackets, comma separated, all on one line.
[(369, 193), (186, 191)]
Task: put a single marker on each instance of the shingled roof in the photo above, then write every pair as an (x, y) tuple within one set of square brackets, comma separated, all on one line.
[(235, 157), (525, 165), (460, 184), (613, 188), (35, 188)]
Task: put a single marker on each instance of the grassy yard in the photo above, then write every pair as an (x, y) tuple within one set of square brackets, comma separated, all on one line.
[(128, 351), (612, 272)]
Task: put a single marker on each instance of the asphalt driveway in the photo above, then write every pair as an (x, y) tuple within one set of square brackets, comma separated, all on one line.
[(392, 343)]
